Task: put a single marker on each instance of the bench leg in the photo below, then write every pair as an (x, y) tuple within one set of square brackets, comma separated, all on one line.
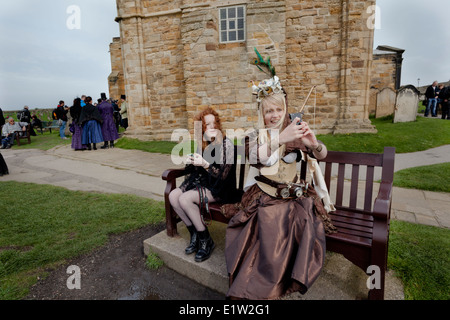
[(171, 220), (379, 259)]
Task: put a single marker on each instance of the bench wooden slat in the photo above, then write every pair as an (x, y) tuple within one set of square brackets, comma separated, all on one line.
[(355, 240), (354, 229), (369, 188), (327, 174), (340, 184), (354, 186), (355, 214), (348, 220), (361, 158)]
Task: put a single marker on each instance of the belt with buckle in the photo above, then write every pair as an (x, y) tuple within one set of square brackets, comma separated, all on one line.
[(284, 190)]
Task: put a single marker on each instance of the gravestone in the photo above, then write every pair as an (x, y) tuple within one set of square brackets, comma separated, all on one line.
[(385, 102), (406, 104)]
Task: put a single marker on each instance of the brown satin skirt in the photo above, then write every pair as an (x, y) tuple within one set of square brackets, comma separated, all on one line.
[(273, 246)]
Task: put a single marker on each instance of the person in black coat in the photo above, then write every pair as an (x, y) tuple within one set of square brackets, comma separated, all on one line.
[(444, 97), (90, 120), (2, 118), (431, 96)]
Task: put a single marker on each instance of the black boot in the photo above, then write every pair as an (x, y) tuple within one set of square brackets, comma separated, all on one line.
[(89, 146), (206, 246), (111, 144), (94, 146), (193, 245), (105, 145)]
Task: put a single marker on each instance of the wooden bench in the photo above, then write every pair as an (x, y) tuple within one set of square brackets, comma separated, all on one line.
[(363, 233), (21, 136)]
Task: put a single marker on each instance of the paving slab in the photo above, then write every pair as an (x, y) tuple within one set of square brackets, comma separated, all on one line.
[(339, 280)]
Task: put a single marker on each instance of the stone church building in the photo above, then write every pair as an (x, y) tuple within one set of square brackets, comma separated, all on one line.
[(173, 58)]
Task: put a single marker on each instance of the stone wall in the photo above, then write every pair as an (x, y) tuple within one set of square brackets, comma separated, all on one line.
[(174, 64), (116, 78)]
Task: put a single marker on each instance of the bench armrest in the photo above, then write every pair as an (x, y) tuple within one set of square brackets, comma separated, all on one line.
[(171, 174), (382, 205)]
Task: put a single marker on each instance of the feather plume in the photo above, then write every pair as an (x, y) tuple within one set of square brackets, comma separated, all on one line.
[(261, 63)]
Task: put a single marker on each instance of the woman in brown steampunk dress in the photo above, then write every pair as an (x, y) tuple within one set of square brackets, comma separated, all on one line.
[(275, 243)]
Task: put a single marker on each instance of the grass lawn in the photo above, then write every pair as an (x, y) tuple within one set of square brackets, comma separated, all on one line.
[(423, 134), (40, 234), (420, 256), (43, 141), (431, 178)]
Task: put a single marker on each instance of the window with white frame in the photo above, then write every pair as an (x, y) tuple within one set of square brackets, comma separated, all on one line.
[(232, 24)]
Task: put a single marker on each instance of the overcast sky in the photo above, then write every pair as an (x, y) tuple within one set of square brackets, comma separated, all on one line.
[(59, 49)]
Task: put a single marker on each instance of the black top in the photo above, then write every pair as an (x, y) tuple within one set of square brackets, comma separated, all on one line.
[(2, 119), (61, 112), (220, 178), (89, 112)]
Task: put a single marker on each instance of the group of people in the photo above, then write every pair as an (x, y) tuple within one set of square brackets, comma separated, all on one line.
[(275, 240), (437, 95), (92, 123)]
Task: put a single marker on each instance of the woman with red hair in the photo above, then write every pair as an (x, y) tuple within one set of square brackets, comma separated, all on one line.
[(211, 177)]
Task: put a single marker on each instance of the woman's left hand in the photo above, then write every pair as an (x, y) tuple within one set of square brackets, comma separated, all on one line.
[(308, 137), (197, 160)]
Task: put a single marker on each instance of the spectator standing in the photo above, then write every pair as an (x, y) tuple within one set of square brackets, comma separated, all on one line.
[(2, 118), (90, 120), (82, 103), (75, 112), (24, 115), (3, 167), (431, 96), (116, 114), (109, 130), (61, 113), (124, 111), (444, 96)]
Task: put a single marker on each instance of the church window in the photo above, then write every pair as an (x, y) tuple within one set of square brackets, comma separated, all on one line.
[(232, 24)]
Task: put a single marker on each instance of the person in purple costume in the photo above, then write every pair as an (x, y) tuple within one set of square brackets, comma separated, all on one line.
[(109, 130), (91, 121), (75, 112)]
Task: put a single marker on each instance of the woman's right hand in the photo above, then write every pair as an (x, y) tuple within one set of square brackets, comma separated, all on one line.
[(291, 133)]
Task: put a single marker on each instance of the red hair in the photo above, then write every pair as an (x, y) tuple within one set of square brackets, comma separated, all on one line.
[(201, 117)]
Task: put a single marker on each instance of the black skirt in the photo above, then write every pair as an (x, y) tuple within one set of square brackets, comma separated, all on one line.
[(3, 166)]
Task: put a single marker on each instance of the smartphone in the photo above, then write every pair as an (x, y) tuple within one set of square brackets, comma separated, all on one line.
[(299, 115)]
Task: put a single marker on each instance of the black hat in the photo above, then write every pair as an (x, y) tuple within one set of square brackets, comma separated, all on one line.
[(123, 97), (103, 96)]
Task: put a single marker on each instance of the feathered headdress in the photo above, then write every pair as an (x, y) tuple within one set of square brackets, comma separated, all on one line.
[(268, 86)]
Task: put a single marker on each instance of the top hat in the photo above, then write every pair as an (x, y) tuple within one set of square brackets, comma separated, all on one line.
[(103, 96)]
